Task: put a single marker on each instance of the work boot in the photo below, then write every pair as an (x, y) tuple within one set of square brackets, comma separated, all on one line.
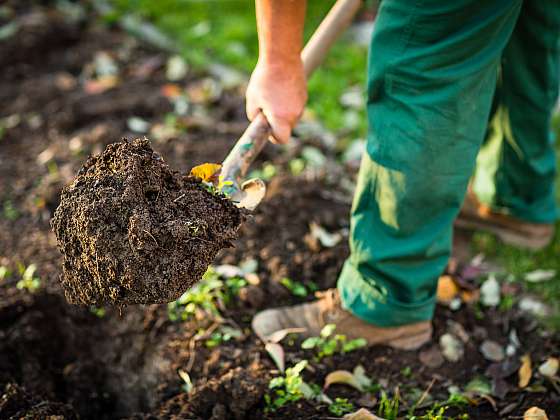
[(477, 216), (312, 317)]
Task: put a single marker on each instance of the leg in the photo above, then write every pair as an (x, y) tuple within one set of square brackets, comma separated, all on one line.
[(516, 167), (432, 75)]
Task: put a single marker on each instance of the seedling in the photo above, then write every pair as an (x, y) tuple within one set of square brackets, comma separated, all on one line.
[(98, 312), (223, 335), (388, 407), (341, 406), (28, 281), (329, 343), (289, 388), (438, 410), (297, 288), (9, 211), (4, 272), (207, 298)]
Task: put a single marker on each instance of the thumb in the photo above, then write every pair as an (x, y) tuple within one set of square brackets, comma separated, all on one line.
[(281, 129)]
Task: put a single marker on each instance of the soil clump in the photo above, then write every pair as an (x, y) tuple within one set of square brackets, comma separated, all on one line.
[(131, 230)]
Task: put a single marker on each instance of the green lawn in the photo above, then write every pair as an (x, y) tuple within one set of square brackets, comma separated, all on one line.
[(225, 31)]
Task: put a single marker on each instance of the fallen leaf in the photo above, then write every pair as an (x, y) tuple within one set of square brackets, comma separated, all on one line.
[(538, 276), (228, 270), (279, 335), (492, 351), (276, 352), (342, 377), (176, 68), (327, 239), (451, 347), (361, 414), (533, 306), (525, 371), (171, 90), (431, 357), (206, 172), (478, 386), (535, 413), (490, 292), (360, 374), (138, 125), (550, 367), (188, 385), (446, 289), (100, 85)]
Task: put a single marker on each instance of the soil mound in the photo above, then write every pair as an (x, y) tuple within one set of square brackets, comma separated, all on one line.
[(131, 230)]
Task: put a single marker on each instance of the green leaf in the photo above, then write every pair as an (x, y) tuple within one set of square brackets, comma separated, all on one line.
[(276, 382), (310, 343), (328, 330), (354, 344)]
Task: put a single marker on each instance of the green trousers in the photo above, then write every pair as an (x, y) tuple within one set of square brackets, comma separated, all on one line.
[(444, 79)]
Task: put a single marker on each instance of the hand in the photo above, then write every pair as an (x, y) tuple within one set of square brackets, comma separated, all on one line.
[(279, 90)]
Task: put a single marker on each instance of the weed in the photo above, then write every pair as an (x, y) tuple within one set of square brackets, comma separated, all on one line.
[(406, 372), (207, 298), (4, 272), (295, 287), (9, 211), (288, 388), (98, 312), (28, 280), (438, 410), (329, 343), (388, 407), (341, 406), (223, 335)]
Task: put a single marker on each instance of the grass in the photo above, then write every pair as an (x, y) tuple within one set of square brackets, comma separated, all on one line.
[(225, 31)]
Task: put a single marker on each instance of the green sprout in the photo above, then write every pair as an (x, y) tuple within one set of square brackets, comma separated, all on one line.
[(288, 388), (329, 343), (297, 288), (223, 335), (388, 408), (208, 298), (98, 312), (4, 272), (341, 406), (28, 281)]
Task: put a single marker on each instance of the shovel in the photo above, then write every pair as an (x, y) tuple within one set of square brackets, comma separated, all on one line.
[(248, 194)]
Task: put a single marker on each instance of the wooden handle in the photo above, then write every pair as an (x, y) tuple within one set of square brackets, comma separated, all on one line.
[(254, 138)]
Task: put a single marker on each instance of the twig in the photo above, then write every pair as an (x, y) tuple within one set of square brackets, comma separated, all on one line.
[(192, 356), (425, 394), (178, 198), (151, 236)]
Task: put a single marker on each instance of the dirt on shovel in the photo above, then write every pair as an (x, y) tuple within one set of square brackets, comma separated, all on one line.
[(131, 230)]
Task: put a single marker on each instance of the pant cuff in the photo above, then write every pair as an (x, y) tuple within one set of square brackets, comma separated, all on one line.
[(368, 303)]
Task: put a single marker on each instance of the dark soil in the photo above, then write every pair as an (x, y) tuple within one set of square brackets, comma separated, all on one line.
[(133, 231), (64, 360)]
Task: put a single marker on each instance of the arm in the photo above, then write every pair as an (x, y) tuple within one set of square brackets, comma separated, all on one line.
[(278, 86)]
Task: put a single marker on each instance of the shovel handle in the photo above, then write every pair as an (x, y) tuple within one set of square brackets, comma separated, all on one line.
[(255, 137)]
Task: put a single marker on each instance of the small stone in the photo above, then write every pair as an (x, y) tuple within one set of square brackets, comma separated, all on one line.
[(451, 347), (492, 351), (431, 357)]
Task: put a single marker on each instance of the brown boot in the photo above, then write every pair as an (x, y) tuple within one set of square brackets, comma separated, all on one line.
[(477, 216), (327, 309)]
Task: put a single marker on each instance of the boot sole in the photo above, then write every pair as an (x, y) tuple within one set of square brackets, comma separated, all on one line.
[(507, 236), (412, 342)]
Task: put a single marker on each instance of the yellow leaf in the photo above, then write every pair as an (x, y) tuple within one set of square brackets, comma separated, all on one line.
[(446, 289), (342, 377), (525, 371), (535, 413), (206, 172)]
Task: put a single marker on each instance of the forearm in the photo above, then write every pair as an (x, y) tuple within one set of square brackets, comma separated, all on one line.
[(280, 28)]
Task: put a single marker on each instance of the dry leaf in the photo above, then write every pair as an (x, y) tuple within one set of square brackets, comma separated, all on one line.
[(206, 172), (171, 90), (525, 371), (279, 335), (362, 414), (550, 367), (446, 289), (342, 377), (276, 352), (535, 413)]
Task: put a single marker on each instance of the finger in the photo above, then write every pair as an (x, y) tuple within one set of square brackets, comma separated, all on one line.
[(250, 108), (281, 129)]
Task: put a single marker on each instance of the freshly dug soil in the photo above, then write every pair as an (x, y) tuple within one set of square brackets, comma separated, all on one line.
[(133, 231)]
